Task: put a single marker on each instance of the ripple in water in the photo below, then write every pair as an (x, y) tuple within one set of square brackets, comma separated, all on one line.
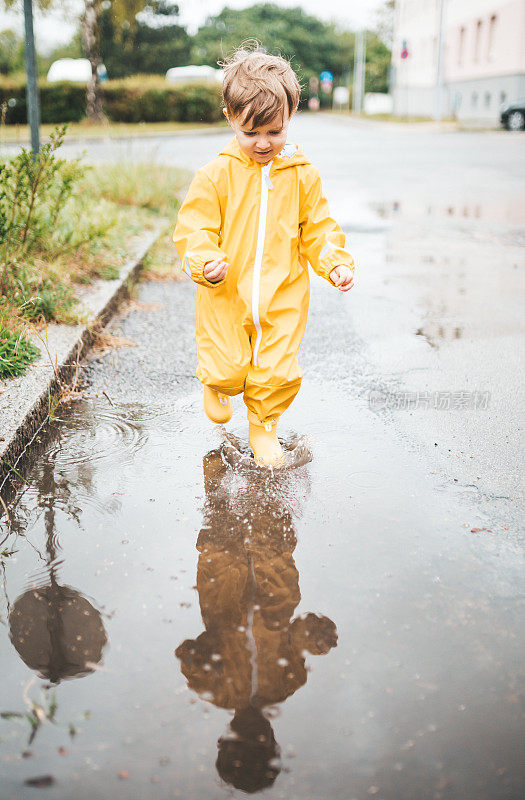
[(101, 433)]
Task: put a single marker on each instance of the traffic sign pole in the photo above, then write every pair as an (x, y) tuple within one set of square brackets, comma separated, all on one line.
[(33, 105), (359, 72)]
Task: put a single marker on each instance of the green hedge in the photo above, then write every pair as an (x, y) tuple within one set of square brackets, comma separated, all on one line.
[(136, 99)]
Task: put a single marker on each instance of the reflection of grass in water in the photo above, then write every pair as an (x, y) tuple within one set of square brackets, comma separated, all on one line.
[(39, 713)]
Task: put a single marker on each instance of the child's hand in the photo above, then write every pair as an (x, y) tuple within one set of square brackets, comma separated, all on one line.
[(215, 271), (343, 278)]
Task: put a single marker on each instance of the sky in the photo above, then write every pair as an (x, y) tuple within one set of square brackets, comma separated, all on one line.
[(57, 28)]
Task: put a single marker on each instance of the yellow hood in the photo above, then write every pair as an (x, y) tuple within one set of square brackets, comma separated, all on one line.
[(290, 156)]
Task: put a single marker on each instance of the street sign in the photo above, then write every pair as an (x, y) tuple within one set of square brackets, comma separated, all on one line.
[(404, 50), (326, 76)]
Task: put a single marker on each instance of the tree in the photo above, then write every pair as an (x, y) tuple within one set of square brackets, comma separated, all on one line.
[(153, 44), (310, 43), (124, 12), (385, 23), (90, 40), (378, 58), (11, 52)]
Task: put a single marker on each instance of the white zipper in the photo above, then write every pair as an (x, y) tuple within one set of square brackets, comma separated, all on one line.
[(266, 184)]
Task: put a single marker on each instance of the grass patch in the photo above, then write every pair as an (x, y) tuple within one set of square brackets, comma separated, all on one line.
[(45, 298), (17, 353), (147, 186), (112, 130), (63, 224), (162, 262)]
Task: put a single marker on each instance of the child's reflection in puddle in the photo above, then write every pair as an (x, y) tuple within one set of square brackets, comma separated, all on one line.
[(251, 655)]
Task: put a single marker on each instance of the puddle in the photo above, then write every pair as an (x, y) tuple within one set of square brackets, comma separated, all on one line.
[(439, 332), (509, 211), (180, 623)]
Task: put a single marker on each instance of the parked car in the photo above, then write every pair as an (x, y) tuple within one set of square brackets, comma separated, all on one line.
[(193, 73), (512, 116), (77, 70)]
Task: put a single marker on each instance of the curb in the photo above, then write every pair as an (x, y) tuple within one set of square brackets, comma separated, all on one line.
[(25, 402)]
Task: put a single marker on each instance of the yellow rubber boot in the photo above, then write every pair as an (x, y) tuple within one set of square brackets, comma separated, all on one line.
[(217, 406), (266, 447)]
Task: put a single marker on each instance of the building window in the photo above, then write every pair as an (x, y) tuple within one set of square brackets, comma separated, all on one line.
[(474, 99), (492, 37), (477, 39), (487, 99), (461, 46), (502, 97)]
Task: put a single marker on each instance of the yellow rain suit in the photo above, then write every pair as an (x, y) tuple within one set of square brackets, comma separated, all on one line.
[(267, 222)]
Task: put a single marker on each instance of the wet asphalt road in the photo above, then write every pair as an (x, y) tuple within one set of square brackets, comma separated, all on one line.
[(347, 629)]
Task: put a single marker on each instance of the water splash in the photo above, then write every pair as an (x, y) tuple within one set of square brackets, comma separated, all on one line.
[(237, 453)]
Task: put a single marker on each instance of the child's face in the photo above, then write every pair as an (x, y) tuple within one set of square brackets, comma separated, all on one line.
[(263, 143)]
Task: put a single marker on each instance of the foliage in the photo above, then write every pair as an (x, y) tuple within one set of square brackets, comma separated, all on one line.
[(33, 193), (45, 298), (377, 64), (17, 353), (385, 22), (148, 186), (62, 224), (142, 98), (59, 102), (161, 263), (149, 99), (43, 5), (153, 44), (311, 43), (11, 52), (143, 36)]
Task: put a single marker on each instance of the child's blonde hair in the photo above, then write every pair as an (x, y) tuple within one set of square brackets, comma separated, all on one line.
[(257, 86)]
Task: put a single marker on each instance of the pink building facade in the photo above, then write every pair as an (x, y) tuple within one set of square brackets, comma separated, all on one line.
[(482, 57)]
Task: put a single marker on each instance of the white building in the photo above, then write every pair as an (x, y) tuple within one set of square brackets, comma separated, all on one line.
[(482, 57)]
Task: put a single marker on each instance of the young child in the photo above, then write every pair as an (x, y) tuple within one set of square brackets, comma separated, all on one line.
[(250, 222)]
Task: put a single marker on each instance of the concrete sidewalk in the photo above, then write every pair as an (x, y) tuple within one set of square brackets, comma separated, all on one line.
[(25, 401)]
